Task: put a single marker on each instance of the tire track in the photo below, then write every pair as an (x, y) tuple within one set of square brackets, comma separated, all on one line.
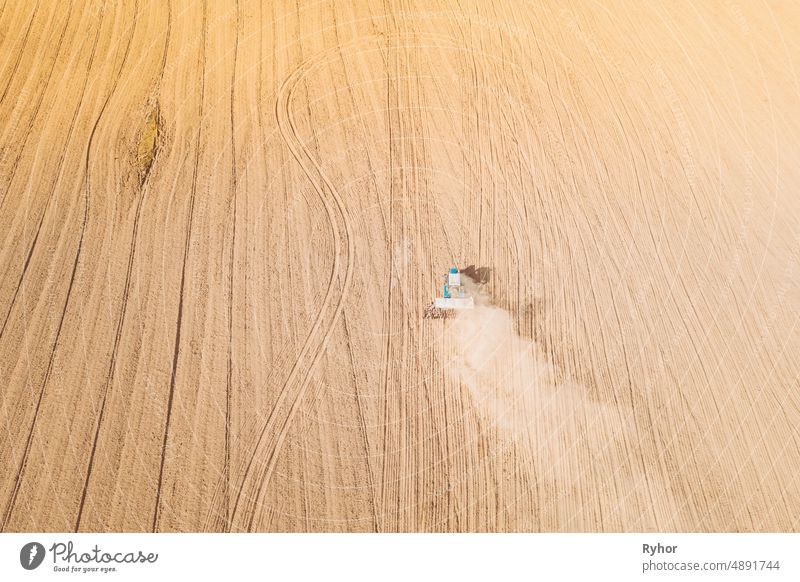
[(3, 9), (29, 440), (59, 166), (214, 521), (231, 259), (273, 434), (126, 291), (388, 320), (76, 262), (21, 52), (179, 321), (34, 115)]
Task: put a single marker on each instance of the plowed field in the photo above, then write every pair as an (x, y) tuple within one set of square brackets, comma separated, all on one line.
[(221, 222)]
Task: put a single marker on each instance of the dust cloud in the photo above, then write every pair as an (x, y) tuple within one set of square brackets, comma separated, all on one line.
[(571, 437), (515, 387)]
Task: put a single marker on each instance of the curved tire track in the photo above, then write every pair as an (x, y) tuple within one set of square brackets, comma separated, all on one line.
[(273, 434)]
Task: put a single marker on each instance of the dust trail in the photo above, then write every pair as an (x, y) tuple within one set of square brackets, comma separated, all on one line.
[(578, 444), (514, 386)]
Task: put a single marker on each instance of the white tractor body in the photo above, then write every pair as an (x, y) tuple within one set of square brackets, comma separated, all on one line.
[(456, 297), (454, 302)]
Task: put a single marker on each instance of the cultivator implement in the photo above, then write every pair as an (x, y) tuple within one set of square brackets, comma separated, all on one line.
[(455, 297)]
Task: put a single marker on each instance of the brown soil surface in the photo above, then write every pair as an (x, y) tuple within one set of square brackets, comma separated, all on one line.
[(221, 222)]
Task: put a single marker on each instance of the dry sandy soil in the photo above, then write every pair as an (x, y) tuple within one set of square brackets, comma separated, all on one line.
[(220, 223)]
